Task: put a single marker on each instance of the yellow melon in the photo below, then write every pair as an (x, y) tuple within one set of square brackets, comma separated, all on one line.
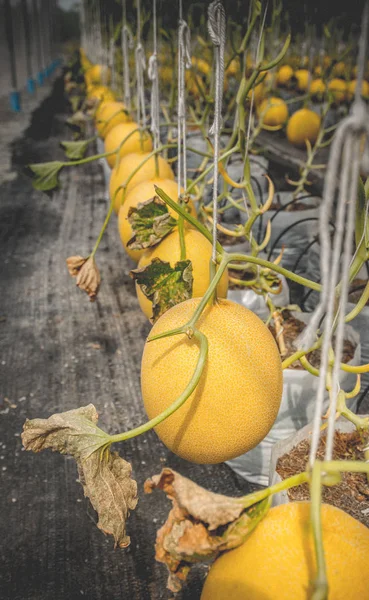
[(137, 142), (338, 89), (108, 115), (284, 75), (238, 396), (273, 111), (277, 561), (146, 171), (303, 125)]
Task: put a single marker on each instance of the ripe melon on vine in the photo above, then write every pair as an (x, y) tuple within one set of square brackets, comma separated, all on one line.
[(284, 75), (142, 193), (100, 94), (273, 111), (136, 142), (98, 74), (277, 561), (302, 126), (239, 393), (149, 170), (108, 115), (338, 89)]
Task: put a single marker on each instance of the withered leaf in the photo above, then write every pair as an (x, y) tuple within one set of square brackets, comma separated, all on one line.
[(200, 524), (74, 264), (164, 285), (150, 222), (105, 476), (87, 274)]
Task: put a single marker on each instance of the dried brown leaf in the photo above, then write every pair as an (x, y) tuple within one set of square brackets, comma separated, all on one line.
[(74, 264), (200, 524), (105, 476), (87, 273)]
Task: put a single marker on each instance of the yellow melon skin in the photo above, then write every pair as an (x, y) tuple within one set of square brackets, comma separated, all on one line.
[(238, 396), (198, 251), (273, 111), (277, 561), (108, 115), (146, 172), (98, 74), (303, 125), (137, 142), (141, 193), (317, 88), (284, 75), (338, 89), (100, 94), (351, 89), (302, 76)]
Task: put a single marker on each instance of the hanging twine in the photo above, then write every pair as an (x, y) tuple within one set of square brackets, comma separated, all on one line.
[(154, 78), (127, 44), (217, 32), (112, 54), (184, 62), (344, 160), (140, 69)]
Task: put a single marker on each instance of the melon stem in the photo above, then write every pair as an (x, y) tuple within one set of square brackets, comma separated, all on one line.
[(190, 388)]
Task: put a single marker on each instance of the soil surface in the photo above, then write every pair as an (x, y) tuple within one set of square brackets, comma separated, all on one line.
[(351, 495), (292, 328)]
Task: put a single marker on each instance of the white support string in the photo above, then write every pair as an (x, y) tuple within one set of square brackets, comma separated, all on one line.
[(344, 159), (184, 62), (217, 32), (154, 78), (127, 44), (112, 54), (140, 68)]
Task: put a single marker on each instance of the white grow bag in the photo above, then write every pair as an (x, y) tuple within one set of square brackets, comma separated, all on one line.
[(296, 411)]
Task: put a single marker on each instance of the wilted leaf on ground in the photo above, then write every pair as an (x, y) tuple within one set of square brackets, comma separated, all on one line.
[(200, 524), (105, 476), (164, 285), (150, 222)]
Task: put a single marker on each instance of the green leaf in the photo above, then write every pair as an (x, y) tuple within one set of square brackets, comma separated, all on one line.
[(76, 150), (76, 102), (164, 285), (150, 222), (362, 221), (105, 476), (46, 175)]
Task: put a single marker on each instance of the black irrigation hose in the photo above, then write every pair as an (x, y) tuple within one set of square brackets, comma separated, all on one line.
[(362, 398), (288, 229), (284, 206)]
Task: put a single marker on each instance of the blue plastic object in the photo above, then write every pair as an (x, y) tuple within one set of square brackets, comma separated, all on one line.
[(40, 78), (15, 103), (31, 85)]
